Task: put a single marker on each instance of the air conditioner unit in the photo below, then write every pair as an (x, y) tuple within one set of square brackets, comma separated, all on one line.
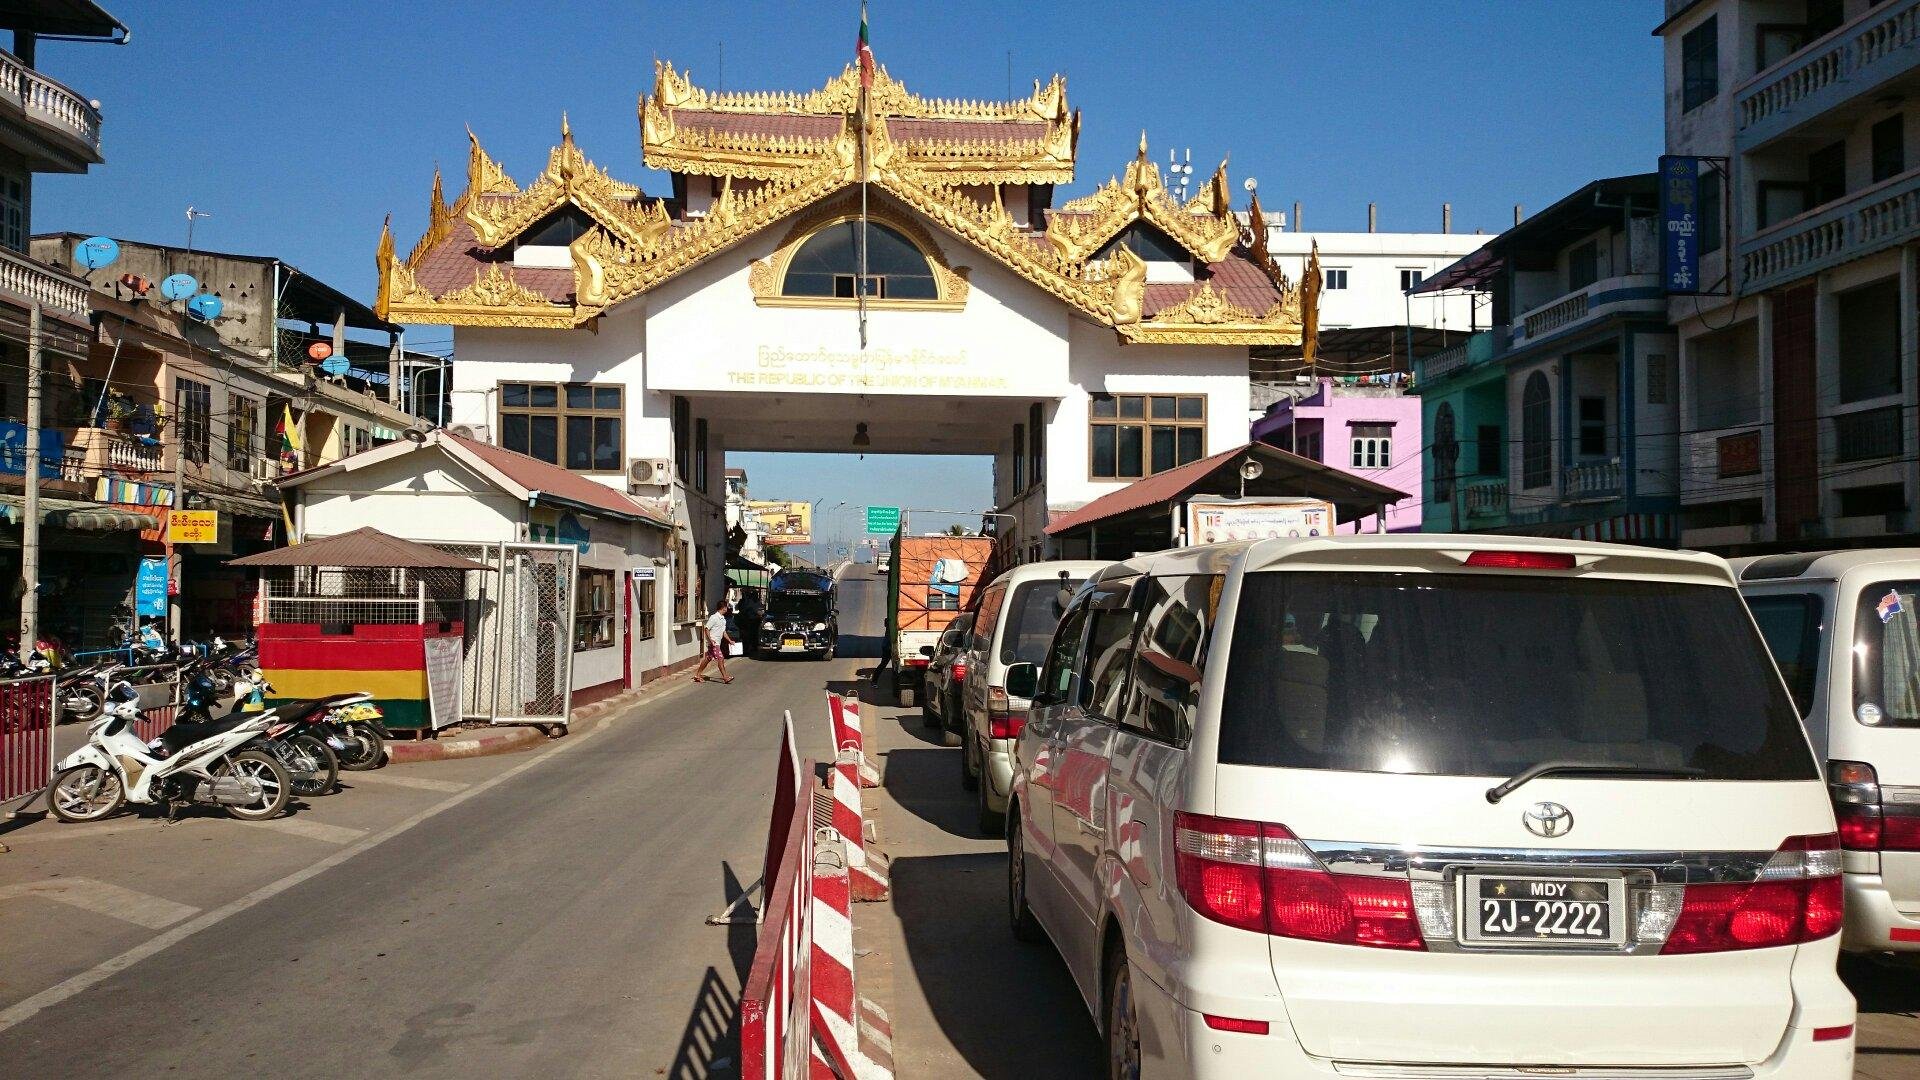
[(263, 468), (649, 475), (476, 432)]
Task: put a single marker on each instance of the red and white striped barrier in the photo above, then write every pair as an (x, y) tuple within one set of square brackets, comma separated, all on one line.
[(837, 1014), (867, 876), (26, 737)]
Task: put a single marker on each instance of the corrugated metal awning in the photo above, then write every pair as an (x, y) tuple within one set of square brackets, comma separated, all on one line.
[(73, 514)]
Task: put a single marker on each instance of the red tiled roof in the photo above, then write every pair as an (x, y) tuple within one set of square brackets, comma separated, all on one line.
[(1175, 483), (536, 475), (969, 130), (771, 126), (1236, 277), (452, 263), (365, 547)]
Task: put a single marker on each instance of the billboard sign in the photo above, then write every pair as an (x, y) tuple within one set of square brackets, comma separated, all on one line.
[(1680, 224), (784, 522), (883, 519), (1214, 522)]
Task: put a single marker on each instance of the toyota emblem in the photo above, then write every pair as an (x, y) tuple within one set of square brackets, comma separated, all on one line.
[(1548, 819)]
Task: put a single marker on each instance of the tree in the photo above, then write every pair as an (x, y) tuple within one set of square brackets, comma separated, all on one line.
[(777, 555), (958, 530)]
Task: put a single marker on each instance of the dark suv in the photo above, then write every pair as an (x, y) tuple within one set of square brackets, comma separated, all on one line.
[(798, 621)]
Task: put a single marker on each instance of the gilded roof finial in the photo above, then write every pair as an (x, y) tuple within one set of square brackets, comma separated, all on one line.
[(383, 263), (1143, 144), (566, 129), (484, 175), (436, 202)]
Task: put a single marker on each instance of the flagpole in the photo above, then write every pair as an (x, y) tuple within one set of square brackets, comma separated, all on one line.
[(860, 287)]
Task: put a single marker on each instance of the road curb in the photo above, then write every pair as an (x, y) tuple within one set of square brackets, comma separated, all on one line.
[(501, 742)]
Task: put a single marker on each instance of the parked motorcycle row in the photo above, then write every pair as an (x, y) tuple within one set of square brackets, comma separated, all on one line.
[(250, 761)]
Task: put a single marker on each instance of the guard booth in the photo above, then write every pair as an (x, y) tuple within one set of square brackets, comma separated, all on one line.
[(366, 612)]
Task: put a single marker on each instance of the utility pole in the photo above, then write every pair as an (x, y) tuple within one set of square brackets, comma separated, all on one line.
[(30, 527), (175, 616)]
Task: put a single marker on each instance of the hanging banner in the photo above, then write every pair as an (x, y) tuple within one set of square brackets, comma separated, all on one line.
[(1214, 521), (150, 588), (1680, 225)]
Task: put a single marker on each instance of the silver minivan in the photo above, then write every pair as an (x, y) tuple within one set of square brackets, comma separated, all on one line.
[(1844, 626), (1429, 807)]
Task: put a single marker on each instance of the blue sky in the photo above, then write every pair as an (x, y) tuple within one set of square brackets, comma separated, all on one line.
[(299, 132)]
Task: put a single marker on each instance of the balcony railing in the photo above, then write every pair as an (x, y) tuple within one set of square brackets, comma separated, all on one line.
[(1877, 218), (1485, 498), (50, 102), (1477, 349), (129, 455), (59, 292), (1856, 59), (1554, 316), (1865, 436), (1592, 480)]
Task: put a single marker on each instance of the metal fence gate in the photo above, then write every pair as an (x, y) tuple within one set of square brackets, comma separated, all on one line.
[(517, 660)]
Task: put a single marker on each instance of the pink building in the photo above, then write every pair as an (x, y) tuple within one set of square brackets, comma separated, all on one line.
[(1367, 426)]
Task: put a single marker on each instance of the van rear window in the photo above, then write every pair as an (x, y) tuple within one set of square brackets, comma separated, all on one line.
[(1031, 616), (1886, 655), (1484, 675), (1790, 624)]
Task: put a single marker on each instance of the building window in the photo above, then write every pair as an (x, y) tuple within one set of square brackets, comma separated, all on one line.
[(576, 426), (193, 402), (1711, 231), (644, 591), (700, 454), (1536, 432), (1583, 266), (828, 263), (1827, 173), (683, 440), (1135, 435), (1037, 442), (1411, 278), (1019, 458), (1489, 451), (1446, 453), (593, 613), (243, 426), (1659, 374), (1869, 319), (1372, 446), (1889, 147), (15, 191), (1336, 279), (1593, 427), (1700, 64)]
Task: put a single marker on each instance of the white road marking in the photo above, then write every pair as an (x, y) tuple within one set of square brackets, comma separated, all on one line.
[(384, 777), (312, 830), (106, 969), (152, 912)]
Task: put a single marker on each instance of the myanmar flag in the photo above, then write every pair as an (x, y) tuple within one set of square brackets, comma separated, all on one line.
[(865, 52)]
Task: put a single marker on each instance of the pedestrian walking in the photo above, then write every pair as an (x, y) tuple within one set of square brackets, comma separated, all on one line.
[(717, 640)]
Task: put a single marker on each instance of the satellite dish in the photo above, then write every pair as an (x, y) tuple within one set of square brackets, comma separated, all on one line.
[(950, 571), (335, 365), (320, 350), (96, 251), (178, 286), (205, 307)]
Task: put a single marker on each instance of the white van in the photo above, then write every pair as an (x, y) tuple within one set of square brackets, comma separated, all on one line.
[(1845, 630), (1429, 806), (1013, 622)]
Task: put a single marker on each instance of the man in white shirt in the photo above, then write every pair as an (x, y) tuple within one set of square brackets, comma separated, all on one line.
[(716, 640)]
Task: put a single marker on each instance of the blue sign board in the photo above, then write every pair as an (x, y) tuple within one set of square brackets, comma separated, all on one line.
[(13, 450), (150, 588), (1680, 224)]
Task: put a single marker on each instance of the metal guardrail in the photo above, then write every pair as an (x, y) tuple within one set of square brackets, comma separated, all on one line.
[(1864, 436)]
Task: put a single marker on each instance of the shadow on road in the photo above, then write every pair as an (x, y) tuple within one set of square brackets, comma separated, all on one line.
[(860, 645), (1009, 1009), (926, 784), (710, 1043)]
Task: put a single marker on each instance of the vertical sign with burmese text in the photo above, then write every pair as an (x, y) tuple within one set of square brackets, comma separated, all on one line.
[(1680, 225)]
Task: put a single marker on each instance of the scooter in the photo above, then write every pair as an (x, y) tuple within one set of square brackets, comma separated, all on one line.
[(298, 736), (214, 763)]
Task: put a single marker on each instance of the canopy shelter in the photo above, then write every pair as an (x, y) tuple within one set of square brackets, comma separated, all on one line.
[(366, 548), (1353, 350), (1144, 515)]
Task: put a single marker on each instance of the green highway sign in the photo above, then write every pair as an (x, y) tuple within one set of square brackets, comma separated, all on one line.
[(883, 519)]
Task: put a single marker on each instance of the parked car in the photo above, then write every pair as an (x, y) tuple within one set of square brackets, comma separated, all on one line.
[(1844, 628), (1436, 806), (1013, 623), (800, 617), (946, 673)]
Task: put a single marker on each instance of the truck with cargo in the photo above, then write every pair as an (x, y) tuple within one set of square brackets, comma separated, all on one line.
[(930, 581)]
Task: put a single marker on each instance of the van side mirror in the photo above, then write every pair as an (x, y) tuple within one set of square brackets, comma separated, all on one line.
[(1023, 679)]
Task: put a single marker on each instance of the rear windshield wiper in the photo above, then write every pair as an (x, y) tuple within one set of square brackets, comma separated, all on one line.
[(1617, 768)]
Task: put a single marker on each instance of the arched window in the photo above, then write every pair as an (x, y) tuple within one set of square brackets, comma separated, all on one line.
[(828, 263), (1536, 432), (1446, 453)]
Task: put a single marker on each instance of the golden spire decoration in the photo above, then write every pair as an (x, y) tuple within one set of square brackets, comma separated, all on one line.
[(383, 262), (1310, 307)]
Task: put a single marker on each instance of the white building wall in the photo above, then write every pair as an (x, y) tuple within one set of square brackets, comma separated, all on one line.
[(1373, 262)]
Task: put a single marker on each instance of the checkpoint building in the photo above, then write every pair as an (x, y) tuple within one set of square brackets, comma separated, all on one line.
[(636, 337)]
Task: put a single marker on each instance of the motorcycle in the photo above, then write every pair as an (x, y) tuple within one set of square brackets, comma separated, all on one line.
[(218, 763), (306, 748)]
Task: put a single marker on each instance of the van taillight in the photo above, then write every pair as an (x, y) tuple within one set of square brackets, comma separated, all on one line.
[(1521, 560), (1867, 821), (1003, 721), (1796, 899), (958, 671), (1260, 877)]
